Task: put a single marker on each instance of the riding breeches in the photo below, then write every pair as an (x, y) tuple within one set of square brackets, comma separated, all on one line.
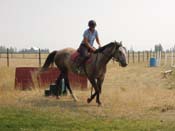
[(84, 53)]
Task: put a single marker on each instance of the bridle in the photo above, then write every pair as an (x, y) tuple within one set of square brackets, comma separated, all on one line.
[(112, 54)]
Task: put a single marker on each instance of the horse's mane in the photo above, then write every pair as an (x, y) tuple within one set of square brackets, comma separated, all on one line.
[(105, 46)]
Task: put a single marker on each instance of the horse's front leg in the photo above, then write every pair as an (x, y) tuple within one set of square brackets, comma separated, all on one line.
[(99, 84), (94, 84), (91, 98)]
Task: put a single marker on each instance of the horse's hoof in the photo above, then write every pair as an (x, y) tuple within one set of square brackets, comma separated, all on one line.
[(99, 104), (74, 97), (76, 100), (57, 97), (88, 100)]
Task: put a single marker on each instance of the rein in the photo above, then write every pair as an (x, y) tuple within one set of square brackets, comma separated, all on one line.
[(111, 55)]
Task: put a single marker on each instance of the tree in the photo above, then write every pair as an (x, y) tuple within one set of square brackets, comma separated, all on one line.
[(158, 47), (3, 49)]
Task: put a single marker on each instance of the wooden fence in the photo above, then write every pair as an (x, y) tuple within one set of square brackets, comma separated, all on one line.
[(29, 77)]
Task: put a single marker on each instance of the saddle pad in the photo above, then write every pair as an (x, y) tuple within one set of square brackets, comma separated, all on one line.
[(76, 54)]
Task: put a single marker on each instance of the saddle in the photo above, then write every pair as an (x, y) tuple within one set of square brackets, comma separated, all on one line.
[(75, 57)]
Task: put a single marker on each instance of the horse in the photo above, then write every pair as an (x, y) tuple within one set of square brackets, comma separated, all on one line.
[(94, 71)]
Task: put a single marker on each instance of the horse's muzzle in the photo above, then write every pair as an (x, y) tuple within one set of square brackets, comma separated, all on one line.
[(123, 64)]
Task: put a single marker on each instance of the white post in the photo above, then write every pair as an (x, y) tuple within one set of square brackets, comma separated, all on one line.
[(165, 58), (171, 57), (160, 57), (157, 55)]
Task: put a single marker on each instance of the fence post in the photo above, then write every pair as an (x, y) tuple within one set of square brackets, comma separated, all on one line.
[(160, 57), (147, 55), (172, 59), (39, 58), (23, 55), (150, 53), (11, 54), (133, 56), (143, 56), (154, 54), (128, 56), (7, 57), (138, 56), (165, 56)]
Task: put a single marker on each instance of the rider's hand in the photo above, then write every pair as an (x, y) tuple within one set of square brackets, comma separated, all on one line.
[(93, 49)]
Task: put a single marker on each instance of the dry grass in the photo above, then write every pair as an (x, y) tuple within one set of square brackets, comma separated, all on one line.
[(136, 91)]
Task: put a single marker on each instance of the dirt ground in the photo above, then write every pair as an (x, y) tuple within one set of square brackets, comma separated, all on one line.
[(136, 91)]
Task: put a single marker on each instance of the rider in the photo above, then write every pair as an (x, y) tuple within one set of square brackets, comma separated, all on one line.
[(86, 45)]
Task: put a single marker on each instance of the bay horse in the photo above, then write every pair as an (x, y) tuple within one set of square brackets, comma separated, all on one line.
[(95, 71)]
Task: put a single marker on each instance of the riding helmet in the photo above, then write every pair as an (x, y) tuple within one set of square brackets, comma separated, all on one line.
[(92, 23)]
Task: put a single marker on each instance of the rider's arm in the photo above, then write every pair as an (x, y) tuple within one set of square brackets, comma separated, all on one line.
[(98, 41), (85, 41)]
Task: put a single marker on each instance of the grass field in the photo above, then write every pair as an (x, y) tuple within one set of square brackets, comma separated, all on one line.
[(135, 98)]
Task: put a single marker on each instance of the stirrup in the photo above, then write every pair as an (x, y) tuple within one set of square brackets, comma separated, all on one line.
[(79, 70)]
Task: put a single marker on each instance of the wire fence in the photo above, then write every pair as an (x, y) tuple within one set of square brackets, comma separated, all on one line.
[(38, 58), (162, 57), (17, 59)]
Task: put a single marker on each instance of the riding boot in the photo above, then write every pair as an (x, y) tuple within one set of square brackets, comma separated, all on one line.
[(81, 65)]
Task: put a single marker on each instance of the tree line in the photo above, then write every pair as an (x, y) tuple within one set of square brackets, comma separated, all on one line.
[(3, 49)]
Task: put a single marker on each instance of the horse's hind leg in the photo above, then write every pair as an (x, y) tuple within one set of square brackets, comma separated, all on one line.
[(99, 84), (58, 85), (66, 79)]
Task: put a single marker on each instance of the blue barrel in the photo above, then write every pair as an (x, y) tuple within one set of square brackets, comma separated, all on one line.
[(153, 62)]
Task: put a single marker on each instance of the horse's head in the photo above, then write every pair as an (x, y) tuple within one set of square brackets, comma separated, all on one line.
[(120, 54)]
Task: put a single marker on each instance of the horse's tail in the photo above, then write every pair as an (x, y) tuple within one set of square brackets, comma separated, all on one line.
[(49, 61)]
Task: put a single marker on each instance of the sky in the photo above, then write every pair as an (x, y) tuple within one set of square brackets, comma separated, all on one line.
[(57, 24)]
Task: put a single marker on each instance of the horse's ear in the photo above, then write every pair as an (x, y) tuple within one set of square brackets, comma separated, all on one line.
[(116, 42), (120, 42)]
